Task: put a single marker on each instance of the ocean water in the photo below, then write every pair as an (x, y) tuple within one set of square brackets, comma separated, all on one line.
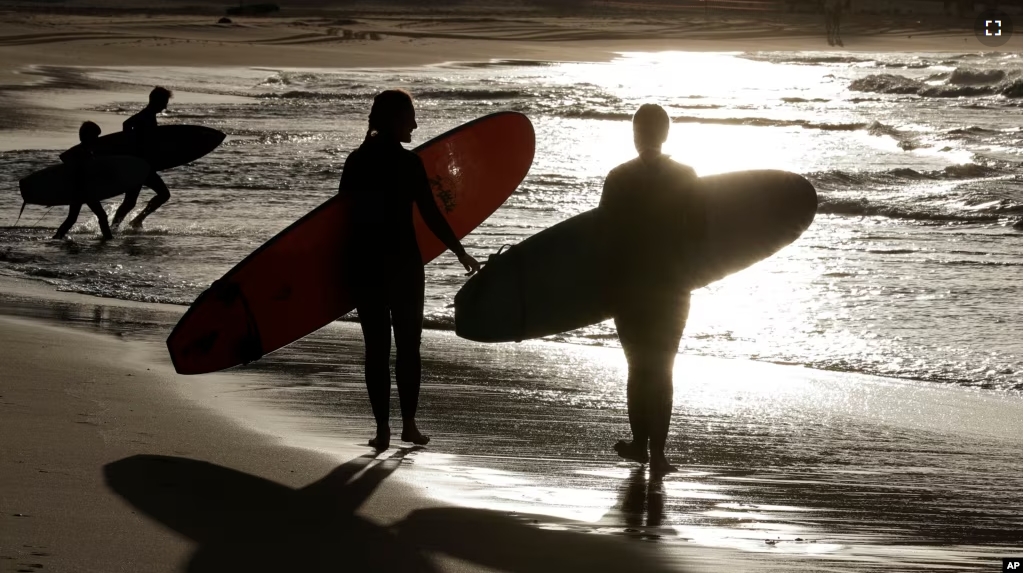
[(911, 270)]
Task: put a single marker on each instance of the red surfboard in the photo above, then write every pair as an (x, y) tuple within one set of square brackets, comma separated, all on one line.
[(293, 284)]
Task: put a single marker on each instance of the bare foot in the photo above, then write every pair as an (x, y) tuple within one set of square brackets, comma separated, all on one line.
[(410, 433), (631, 452), (660, 466), (136, 224), (382, 440)]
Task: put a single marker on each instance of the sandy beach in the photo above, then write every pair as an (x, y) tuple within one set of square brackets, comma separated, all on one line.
[(109, 461)]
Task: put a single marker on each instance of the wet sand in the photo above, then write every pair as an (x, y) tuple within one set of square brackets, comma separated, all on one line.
[(788, 468), (109, 463)]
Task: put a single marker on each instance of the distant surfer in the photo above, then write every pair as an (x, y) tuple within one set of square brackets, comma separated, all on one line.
[(142, 125), (385, 180), (648, 204), (78, 158), (833, 18)]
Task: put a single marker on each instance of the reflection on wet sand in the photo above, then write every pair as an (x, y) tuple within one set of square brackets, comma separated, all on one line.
[(793, 467)]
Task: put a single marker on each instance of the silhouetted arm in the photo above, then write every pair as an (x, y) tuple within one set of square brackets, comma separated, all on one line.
[(76, 155), (345, 186), (141, 122), (131, 123), (431, 214), (610, 193)]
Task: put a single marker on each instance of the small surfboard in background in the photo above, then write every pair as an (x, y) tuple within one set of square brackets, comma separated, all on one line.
[(555, 281), (294, 284), (101, 178), (167, 147)]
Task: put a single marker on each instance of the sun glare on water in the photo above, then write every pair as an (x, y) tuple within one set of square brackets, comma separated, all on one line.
[(696, 83)]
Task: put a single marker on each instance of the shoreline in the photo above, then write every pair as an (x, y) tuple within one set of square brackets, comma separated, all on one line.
[(19, 286), (346, 39), (109, 467), (493, 490), (82, 38)]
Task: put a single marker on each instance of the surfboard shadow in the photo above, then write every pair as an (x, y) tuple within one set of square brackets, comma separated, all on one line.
[(246, 523)]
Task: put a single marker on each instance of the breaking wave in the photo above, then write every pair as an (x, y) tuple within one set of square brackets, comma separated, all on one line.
[(959, 83)]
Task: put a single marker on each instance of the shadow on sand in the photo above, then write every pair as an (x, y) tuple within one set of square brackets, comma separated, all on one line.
[(246, 523)]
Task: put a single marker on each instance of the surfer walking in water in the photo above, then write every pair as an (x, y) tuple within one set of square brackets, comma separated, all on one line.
[(833, 17), (142, 125), (648, 205), (78, 158), (385, 180)]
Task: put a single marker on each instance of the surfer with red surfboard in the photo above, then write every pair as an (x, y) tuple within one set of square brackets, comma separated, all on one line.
[(385, 181), (142, 126), (649, 308)]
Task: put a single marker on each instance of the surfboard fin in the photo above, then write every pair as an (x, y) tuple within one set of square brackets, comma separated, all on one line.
[(23, 203), (495, 255)]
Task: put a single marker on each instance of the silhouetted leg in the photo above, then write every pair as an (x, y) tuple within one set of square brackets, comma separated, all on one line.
[(127, 204), (407, 314), (658, 394), (69, 222), (636, 405), (650, 327), (101, 218), (667, 327), (630, 326), (155, 183), (376, 325)]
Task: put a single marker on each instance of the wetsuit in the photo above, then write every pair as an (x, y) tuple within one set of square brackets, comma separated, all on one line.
[(143, 124), (77, 158), (384, 180), (650, 211)]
